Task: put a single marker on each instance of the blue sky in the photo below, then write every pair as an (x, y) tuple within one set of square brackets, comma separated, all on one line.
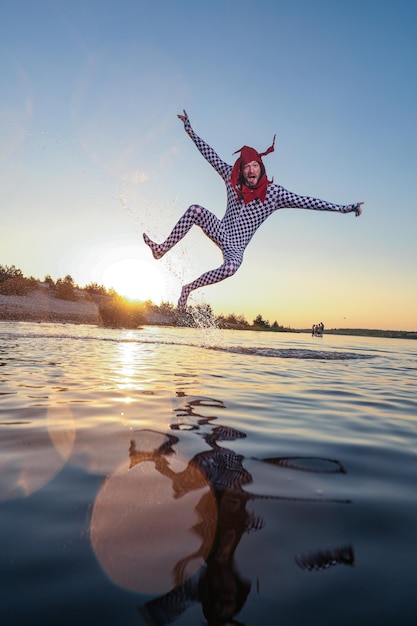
[(93, 153)]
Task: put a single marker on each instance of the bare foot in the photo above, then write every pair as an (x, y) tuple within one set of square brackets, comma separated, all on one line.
[(155, 247)]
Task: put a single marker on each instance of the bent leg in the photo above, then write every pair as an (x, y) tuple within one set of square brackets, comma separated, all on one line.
[(195, 214), (229, 267)]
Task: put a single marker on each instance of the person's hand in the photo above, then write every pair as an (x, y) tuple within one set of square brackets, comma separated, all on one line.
[(358, 209), (184, 118)]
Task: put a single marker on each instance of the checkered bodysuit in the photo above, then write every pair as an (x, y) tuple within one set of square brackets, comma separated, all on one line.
[(234, 231)]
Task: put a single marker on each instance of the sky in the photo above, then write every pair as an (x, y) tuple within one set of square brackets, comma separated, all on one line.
[(93, 154)]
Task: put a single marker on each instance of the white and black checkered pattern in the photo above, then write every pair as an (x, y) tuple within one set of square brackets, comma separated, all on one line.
[(240, 222)]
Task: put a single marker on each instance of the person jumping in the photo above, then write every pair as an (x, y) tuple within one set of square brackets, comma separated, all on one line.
[(251, 199)]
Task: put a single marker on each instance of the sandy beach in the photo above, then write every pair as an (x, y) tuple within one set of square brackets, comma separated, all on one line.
[(41, 306)]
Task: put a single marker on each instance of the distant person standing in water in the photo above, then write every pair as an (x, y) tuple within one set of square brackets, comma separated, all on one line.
[(251, 199)]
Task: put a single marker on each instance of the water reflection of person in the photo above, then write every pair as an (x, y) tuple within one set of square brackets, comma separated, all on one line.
[(222, 591), (218, 586)]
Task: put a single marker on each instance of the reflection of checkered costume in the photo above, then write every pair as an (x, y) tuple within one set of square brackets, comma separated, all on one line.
[(234, 231)]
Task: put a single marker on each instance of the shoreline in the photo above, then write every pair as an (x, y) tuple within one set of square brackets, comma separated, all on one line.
[(41, 306)]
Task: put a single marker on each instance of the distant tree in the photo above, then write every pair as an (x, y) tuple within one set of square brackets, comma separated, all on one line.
[(166, 308), (259, 322), (118, 313), (112, 293), (49, 280), (164, 313), (241, 320), (13, 283), (19, 286), (69, 280), (96, 290), (9, 271), (64, 288), (149, 306), (231, 319)]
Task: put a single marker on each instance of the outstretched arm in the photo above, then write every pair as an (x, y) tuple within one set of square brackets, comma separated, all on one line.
[(207, 151), (289, 200)]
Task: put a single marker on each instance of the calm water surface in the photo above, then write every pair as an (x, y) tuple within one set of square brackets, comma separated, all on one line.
[(192, 476)]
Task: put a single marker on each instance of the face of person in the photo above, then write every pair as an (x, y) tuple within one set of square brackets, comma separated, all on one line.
[(251, 173)]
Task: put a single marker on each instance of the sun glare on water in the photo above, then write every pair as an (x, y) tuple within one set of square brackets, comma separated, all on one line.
[(135, 279)]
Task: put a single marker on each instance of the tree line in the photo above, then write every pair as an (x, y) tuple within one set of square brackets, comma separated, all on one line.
[(14, 283), (117, 311)]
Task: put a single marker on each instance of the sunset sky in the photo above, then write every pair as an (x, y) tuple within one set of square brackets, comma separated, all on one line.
[(93, 154)]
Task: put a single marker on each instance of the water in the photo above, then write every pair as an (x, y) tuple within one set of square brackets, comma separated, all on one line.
[(201, 476)]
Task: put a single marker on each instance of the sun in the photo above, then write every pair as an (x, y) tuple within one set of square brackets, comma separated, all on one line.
[(135, 279)]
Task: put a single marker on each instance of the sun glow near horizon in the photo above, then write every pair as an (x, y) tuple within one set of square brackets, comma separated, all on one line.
[(135, 280), (122, 269)]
